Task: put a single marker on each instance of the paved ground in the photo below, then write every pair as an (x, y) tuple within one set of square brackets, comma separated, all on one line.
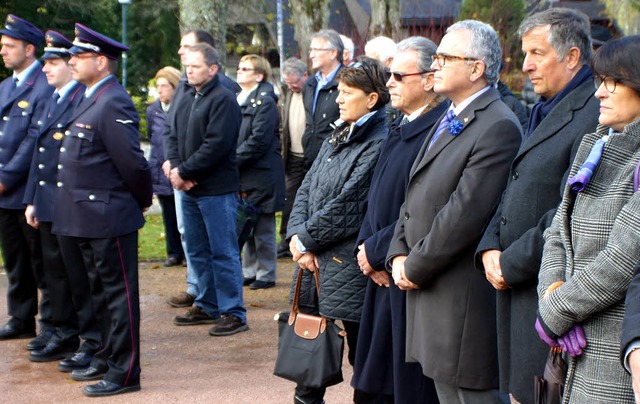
[(179, 364)]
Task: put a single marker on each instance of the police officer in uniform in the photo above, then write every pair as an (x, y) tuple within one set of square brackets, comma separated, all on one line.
[(69, 288), (104, 184), (22, 98)]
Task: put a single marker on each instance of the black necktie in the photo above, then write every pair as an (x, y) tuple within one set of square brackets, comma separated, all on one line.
[(14, 84), (53, 103)]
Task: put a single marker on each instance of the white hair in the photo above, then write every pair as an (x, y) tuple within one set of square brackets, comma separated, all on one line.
[(382, 47)]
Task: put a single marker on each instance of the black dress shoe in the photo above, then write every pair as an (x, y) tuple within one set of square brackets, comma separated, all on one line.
[(80, 360), (172, 262), (11, 331), (39, 342), (105, 388), (55, 350), (85, 375), (248, 281), (261, 285)]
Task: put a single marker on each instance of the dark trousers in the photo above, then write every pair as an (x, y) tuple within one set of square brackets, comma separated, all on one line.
[(63, 319), (294, 175), (112, 266), (80, 290), (310, 395), (171, 233), (22, 257)]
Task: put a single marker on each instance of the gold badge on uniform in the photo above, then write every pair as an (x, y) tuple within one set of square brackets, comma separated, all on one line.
[(23, 104), (58, 136)]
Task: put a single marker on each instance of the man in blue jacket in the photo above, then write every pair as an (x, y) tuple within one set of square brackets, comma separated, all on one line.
[(22, 97)]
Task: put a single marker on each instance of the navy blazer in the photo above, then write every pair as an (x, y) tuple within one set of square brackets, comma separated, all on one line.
[(20, 111), (103, 178), (41, 185), (389, 183)]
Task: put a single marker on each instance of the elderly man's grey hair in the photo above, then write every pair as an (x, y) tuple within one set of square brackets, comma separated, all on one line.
[(382, 47), (484, 46), (567, 28), (333, 39), (423, 46), (294, 67)]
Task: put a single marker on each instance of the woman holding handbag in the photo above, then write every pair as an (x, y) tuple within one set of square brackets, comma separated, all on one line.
[(592, 246), (330, 204)]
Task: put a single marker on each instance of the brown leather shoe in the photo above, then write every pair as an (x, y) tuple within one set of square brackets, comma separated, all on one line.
[(182, 299)]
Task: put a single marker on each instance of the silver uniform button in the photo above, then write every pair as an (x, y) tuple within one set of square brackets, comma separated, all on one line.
[(1, 133), (24, 113), (80, 135), (40, 123), (41, 149), (42, 183), (5, 118), (60, 125), (59, 166), (59, 184), (62, 150), (41, 166), (67, 133), (1, 165), (92, 197)]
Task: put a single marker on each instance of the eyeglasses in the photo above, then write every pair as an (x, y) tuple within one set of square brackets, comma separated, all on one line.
[(245, 69), (608, 81), (399, 76), (358, 65), (319, 49), (442, 59)]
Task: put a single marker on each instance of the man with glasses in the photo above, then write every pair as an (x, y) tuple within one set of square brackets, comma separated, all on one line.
[(557, 50), (320, 92), (294, 76), (104, 184), (454, 185)]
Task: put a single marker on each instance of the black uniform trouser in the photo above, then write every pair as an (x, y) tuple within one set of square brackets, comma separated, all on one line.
[(22, 257), (112, 266), (78, 282), (172, 235)]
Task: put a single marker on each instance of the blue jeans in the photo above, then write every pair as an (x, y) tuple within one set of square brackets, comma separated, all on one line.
[(212, 248), (192, 280)]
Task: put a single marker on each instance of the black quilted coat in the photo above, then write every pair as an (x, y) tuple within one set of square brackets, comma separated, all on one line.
[(328, 212)]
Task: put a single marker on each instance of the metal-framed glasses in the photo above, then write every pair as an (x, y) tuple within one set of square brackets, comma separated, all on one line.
[(608, 81), (441, 59), (400, 76)]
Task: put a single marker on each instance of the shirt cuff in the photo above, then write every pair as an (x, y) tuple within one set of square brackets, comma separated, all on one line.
[(301, 246), (635, 344)]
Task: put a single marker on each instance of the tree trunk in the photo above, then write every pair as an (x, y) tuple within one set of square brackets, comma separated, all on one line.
[(208, 15), (386, 19), (308, 16)]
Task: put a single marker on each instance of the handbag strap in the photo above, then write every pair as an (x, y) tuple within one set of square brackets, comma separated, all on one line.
[(295, 304)]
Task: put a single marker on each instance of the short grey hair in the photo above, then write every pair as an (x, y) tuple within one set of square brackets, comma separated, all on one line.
[(567, 28), (333, 39), (211, 55), (423, 46), (294, 67), (383, 46), (348, 44), (484, 46)]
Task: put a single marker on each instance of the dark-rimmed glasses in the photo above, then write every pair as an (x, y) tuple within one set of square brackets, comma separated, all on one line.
[(441, 59), (399, 76), (609, 83)]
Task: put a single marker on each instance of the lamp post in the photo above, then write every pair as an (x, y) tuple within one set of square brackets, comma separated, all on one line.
[(124, 3)]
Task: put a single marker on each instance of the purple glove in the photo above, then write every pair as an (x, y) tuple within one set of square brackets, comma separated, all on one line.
[(574, 341), (543, 335)]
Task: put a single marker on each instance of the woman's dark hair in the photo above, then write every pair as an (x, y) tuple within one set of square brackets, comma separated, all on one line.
[(620, 59), (368, 75)]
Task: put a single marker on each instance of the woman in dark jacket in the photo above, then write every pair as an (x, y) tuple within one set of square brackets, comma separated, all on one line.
[(167, 79), (330, 204), (261, 168)]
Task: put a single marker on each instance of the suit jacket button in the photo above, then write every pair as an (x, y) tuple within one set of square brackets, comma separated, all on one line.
[(515, 175), (92, 197), (406, 216), (503, 220), (60, 184), (42, 183)]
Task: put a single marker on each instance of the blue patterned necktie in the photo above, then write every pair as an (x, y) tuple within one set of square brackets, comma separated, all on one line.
[(444, 123)]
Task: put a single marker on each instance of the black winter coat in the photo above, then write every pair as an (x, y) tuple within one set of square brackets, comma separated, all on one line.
[(258, 151), (328, 212)]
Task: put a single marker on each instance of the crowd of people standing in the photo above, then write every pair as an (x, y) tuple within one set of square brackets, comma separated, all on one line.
[(456, 241)]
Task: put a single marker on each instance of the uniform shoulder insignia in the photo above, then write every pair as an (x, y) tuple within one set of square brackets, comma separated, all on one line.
[(124, 122)]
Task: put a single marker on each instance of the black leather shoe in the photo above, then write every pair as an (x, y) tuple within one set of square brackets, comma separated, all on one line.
[(105, 388), (248, 281), (172, 262), (261, 285), (39, 342), (55, 350), (11, 331), (85, 375), (81, 360)]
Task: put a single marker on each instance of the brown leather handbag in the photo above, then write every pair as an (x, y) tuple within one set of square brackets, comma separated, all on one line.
[(550, 387), (310, 348)]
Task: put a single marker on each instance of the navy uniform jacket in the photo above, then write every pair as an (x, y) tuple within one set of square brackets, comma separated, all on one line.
[(20, 111), (41, 185), (103, 177)]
